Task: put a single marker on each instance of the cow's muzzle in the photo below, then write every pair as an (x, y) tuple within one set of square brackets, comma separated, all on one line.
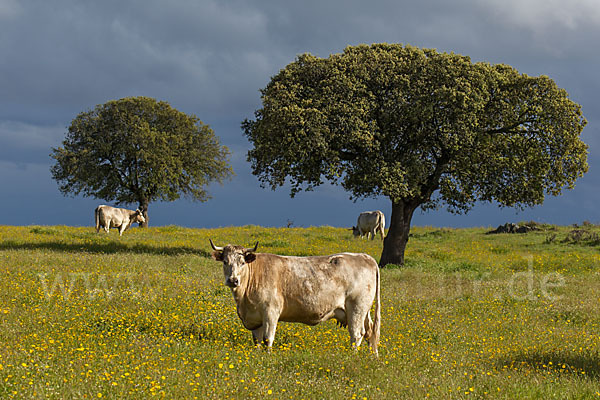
[(232, 282)]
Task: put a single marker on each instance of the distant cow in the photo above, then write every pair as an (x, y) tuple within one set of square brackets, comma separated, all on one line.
[(111, 217), (370, 222), (268, 288)]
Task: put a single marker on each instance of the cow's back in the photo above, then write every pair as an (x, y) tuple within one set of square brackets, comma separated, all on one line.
[(368, 220), (110, 216), (310, 289)]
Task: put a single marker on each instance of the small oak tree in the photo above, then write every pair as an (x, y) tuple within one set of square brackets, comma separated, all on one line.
[(423, 128), (137, 149)]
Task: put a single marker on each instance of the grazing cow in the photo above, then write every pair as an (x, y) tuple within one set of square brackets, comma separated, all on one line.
[(268, 288), (111, 217), (370, 222)]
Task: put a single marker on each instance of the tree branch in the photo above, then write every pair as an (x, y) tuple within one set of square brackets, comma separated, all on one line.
[(118, 172), (431, 184)]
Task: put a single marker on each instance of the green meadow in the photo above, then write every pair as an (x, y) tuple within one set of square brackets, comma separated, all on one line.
[(470, 316)]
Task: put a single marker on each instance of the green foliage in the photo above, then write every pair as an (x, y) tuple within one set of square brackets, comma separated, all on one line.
[(138, 149), (423, 128), (405, 122)]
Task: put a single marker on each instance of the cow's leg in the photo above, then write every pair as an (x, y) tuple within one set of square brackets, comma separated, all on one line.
[(355, 313), (270, 325), (258, 335), (355, 327), (340, 316), (122, 229), (107, 226), (356, 335), (373, 233)]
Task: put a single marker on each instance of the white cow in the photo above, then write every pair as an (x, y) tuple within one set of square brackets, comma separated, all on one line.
[(111, 217), (370, 222), (268, 288)]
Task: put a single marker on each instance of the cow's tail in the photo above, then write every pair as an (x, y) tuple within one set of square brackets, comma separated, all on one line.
[(374, 337), (97, 216)]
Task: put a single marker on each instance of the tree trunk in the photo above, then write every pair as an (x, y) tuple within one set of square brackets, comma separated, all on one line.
[(144, 209), (395, 241)]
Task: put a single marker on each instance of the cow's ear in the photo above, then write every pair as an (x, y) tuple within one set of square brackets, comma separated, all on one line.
[(217, 255), (249, 257)]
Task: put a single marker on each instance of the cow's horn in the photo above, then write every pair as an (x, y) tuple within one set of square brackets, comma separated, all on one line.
[(254, 249), (215, 247)]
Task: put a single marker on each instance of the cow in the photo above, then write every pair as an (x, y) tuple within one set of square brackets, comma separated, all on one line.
[(370, 222), (269, 288), (111, 217)]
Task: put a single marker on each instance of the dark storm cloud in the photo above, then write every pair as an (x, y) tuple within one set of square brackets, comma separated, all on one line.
[(211, 58), (67, 56), (27, 143)]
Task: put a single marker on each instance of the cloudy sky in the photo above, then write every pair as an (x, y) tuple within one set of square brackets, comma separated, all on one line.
[(210, 58)]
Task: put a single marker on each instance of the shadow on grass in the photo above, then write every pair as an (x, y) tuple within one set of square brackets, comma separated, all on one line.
[(190, 331), (104, 248), (563, 363)]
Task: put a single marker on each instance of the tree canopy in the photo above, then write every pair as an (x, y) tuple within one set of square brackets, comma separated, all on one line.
[(423, 128), (139, 150)]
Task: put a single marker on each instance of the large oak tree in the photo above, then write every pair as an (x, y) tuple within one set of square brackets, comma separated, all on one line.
[(423, 128), (139, 150)]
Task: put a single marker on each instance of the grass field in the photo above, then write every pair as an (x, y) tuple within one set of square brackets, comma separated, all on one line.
[(471, 315)]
